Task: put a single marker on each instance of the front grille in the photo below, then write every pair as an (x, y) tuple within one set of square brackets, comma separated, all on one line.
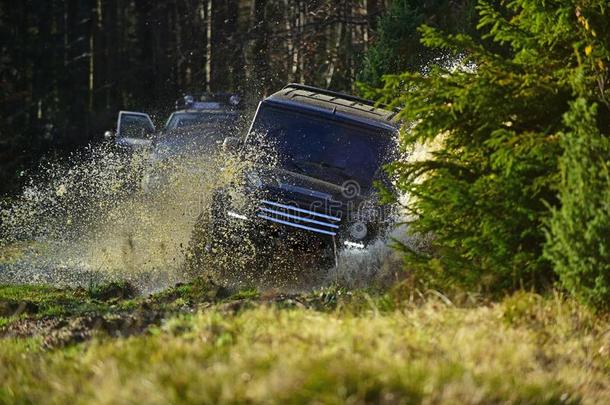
[(299, 218)]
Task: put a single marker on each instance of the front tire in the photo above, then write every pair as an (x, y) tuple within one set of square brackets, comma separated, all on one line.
[(220, 250)]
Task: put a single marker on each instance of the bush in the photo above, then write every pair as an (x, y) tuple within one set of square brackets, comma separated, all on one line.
[(579, 236), (489, 185)]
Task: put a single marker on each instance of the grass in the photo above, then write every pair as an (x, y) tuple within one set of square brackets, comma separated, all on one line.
[(45, 301), (331, 346)]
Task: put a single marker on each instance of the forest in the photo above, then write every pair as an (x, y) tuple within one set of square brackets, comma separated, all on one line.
[(68, 66)]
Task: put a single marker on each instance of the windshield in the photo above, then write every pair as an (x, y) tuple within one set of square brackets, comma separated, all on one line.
[(198, 139), (189, 119), (328, 150)]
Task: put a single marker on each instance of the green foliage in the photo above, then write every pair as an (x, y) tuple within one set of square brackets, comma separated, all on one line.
[(397, 45), (492, 126), (112, 290), (579, 231), (579, 237)]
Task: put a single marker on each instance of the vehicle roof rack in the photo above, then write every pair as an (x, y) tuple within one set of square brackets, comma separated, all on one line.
[(190, 100), (299, 86)]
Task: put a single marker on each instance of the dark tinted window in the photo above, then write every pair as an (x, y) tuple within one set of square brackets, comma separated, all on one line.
[(135, 126), (325, 149), (189, 119)]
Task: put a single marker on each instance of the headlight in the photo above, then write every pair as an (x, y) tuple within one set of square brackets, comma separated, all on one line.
[(358, 230)]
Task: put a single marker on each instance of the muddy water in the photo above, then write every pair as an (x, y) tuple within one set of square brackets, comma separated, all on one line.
[(90, 221)]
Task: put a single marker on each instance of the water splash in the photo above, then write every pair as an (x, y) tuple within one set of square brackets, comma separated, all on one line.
[(106, 216), (89, 221)]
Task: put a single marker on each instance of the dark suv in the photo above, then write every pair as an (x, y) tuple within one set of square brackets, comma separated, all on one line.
[(314, 156), (190, 134), (197, 121), (195, 129)]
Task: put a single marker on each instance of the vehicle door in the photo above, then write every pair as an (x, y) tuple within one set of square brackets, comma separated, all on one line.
[(134, 129)]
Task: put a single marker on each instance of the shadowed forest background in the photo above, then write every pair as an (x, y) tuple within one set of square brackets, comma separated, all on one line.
[(68, 66)]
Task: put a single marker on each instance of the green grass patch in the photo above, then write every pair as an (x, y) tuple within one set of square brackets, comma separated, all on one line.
[(249, 293), (43, 301), (335, 346), (115, 290)]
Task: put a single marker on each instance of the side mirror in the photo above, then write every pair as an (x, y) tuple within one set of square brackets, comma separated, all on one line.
[(231, 144), (108, 135)]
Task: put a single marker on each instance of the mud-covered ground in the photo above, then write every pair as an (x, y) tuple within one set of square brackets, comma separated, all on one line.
[(60, 317)]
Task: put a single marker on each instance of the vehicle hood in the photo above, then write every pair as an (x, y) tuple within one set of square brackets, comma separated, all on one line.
[(188, 142), (133, 143), (301, 190)]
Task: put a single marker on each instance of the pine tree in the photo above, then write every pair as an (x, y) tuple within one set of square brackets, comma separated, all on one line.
[(579, 237), (579, 231), (495, 119), (397, 47)]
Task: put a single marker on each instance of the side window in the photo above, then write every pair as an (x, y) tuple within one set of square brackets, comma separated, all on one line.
[(134, 125)]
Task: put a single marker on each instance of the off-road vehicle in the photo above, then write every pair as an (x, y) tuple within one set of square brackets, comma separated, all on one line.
[(313, 157), (191, 136), (190, 121), (195, 129)]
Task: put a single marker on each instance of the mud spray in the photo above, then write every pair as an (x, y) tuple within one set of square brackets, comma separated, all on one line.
[(93, 220), (90, 221)]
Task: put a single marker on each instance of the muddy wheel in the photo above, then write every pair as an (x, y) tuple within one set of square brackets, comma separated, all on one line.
[(220, 252), (232, 256), (296, 269)]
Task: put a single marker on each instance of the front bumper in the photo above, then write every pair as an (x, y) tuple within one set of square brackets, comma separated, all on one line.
[(299, 228)]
